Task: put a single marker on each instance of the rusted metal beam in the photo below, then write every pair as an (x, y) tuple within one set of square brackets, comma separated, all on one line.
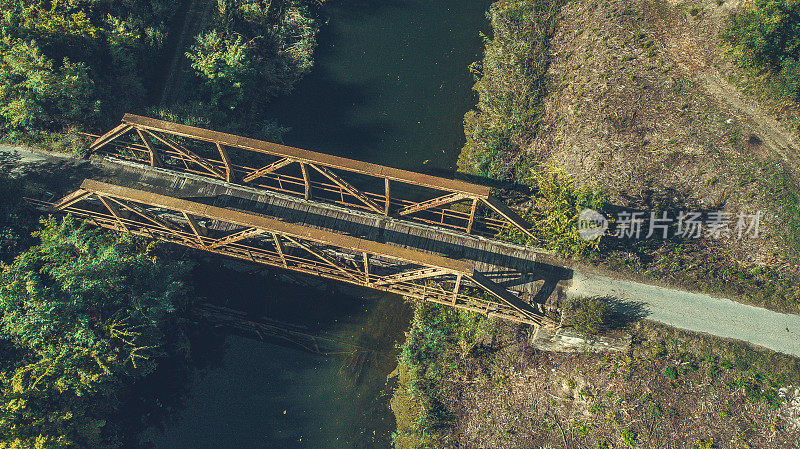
[(412, 275), (509, 214), (306, 181), (435, 202), (155, 160), (456, 288), (279, 248), (322, 257), (223, 153), (113, 210), (237, 236), (311, 157), (195, 227), (472, 215), (272, 225), (350, 189), (267, 169), (116, 132), (366, 267), (70, 199), (189, 154), (387, 193), (504, 295), (142, 212)]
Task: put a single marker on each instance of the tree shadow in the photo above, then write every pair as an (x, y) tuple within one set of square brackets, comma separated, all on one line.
[(624, 312)]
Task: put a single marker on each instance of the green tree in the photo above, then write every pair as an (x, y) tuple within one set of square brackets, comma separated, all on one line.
[(257, 51), (82, 314), (227, 64), (35, 93)]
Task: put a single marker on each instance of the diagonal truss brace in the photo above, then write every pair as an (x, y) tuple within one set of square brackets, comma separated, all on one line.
[(350, 189), (235, 237), (267, 169), (411, 276), (435, 202), (323, 258), (188, 154)]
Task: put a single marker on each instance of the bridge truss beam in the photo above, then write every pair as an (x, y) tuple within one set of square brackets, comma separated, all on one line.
[(449, 203), (298, 248)]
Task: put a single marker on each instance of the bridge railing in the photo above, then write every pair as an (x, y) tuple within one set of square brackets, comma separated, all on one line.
[(294, 247), (360, 185)]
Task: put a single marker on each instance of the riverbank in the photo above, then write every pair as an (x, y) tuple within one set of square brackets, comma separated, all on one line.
[(597, 90)]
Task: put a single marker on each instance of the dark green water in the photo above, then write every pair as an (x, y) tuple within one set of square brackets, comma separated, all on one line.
[(390, 86)]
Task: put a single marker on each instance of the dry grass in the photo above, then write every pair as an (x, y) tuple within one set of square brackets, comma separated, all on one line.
[(658, 393), (628, 114)]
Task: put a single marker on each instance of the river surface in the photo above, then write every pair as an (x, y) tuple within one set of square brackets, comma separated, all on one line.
[(390, 86)]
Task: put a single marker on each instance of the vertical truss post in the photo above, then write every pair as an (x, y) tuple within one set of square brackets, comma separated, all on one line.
[(472, 215), (229, 174), (279, 247), (155, 160), (304, 169), (456, 288), (388, 196), (366, 267)]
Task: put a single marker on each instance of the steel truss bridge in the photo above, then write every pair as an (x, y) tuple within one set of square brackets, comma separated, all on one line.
[(408, 233)]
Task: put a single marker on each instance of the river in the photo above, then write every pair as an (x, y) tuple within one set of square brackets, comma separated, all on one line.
[(390, 85)]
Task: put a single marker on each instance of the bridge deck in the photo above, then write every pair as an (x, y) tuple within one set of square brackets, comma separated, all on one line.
[(527, 271)]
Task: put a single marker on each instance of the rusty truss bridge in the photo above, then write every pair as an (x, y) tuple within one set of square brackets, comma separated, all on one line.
[(408, 233)]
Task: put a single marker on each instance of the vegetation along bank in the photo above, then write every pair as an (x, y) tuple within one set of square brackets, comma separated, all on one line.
[(642, 105)]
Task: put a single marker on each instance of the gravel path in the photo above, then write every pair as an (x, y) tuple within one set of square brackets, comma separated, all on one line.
[(697, 312)]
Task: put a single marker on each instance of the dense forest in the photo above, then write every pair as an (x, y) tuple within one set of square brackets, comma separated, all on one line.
[(86, 315), (83, 63)]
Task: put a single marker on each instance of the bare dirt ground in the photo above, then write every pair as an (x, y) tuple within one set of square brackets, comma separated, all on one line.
[(656, 396), (691, 41), (640, 105)]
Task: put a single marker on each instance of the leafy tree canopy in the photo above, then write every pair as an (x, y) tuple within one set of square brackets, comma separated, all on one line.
[(82, 313), (256, 51), (61, 61)]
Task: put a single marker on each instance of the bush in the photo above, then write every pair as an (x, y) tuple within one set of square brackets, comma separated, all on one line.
[(511, 82), (628, 437), (588, 316), (555, 227), (765, 37)]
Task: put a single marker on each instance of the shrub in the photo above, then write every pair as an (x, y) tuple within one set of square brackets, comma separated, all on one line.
[(555, 227), (588, 316), (765, 37), (671, 372), (628, 437), (703, 444)]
